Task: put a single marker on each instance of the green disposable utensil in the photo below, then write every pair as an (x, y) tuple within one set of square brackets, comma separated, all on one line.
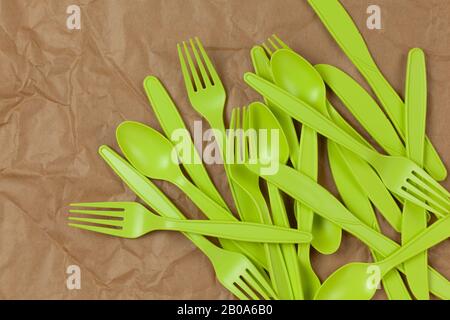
[(139, 142), (233, 270), (414, 217), (135, 220), (260, 118), (207, 96), (302, 188), (248, 181), (358, 281), (261, 64), (171, 122), (367, 178), (399, 174), (344, 31), (260, 58), (297, 76), (361, 104), (357, 202)]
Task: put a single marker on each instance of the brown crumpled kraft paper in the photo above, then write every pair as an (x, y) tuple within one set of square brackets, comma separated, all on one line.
[(63, 92)]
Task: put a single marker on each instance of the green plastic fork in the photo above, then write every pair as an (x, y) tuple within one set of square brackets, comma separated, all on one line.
[(136, 220), (207, 96), (400, 175), (233, 270)]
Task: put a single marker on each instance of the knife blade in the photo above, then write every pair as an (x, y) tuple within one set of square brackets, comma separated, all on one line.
[(363, 107), (344, 31)]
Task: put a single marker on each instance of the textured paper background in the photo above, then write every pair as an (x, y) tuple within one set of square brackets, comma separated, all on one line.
[(62, 93)]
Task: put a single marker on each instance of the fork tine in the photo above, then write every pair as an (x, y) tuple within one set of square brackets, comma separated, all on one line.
[(237, 292), (239, 138), (191, 78), (280, 42), (431, 192), (256, 279), (244, 126), (273, 44), (258, 287), (106, 222), (415, 195), (248, 291), (99, 212), (231, 138), (251, 140), (195, 76), (209, 65), (110, 231), (184, 70), (201, 66)]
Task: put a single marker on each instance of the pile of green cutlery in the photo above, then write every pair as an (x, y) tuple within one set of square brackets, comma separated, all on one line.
[(262, 252)]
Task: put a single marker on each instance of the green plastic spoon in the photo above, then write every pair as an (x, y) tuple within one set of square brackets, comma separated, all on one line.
[(261, 118), (358, 281), (154, 156), (297, 76)]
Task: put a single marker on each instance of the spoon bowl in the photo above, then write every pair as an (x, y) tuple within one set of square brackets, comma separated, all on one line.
[(296, 75), (260, 117), (147, 150), (359, 281), (354, 281)]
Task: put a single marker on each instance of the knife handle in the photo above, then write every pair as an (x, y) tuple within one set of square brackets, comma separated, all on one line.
[(414, 217), (346, 34), (416, 103)]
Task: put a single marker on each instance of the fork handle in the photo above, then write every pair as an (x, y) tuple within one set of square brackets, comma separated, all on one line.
[(241, 231)]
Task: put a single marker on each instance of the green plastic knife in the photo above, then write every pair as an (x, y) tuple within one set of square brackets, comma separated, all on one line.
[(346, 34), (363, 107), (414, 217)]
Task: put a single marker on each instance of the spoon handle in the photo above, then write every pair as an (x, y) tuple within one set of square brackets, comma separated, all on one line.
[(437, 232)]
